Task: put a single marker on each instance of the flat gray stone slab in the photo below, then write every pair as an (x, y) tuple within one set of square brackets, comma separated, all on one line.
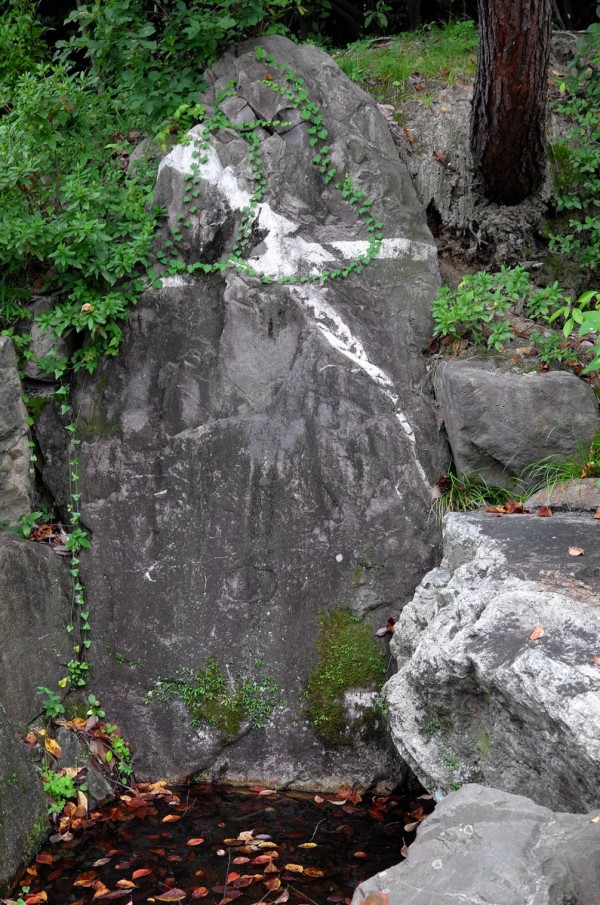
[(485, 847)]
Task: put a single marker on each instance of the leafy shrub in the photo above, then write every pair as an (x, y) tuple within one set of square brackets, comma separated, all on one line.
[(577, 157)]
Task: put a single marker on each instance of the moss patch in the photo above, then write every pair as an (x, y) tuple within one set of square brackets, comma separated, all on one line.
[(349, 657)]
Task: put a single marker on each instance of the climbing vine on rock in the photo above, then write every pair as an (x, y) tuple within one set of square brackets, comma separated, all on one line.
[(290, 87)]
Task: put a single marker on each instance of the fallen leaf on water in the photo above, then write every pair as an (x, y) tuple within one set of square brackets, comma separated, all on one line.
[(360, 855), (308, 845), (200, 892), (231, 877), (536, 633), (44, 858), (295, 868), (171, 818), (142, 872), (101, 889), (314, 872), (52, 748), (86, 879), (194, 841), (125, 884), (273, 884), (376, 898), (266, 845), (171, 895), (544, 512), (283, 897), (271, 868), (576, 551)]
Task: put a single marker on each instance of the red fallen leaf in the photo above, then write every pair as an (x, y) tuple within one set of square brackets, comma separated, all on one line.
[(171, 895), (174, 858), (231, 877), (264, 859), (241, 860), (244, 881), (544, 512), (44, 858), (360, 855), (376, 814), (55, 875), (86, 879), (198, 841), (377, 898), (200, 892), (171, 818), (30, 738), (36, 898), (142, 872)]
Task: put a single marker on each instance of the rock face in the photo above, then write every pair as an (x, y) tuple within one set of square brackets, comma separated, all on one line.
[(15, 489), (501, 420), (260, 454), (487, 847), (498, 681), (34, 610), (23, 809)]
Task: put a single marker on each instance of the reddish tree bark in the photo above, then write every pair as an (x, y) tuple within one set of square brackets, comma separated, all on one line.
[(508, 120)]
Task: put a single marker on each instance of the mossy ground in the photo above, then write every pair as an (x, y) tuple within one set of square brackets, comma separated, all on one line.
[(349, 657)]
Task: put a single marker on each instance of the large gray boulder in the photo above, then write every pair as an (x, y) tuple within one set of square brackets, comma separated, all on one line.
[(499, 664), (35, 605), (485, 847), (501, 419), (15, 484), (23, 809), (260, 454)]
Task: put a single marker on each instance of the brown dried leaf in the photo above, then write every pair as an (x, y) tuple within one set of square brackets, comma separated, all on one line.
[(295, 868), (198, 841), (576, 551), (308, 845), (171, 818), (544, 512), (171, 895), (313, 872), (537, 633), (199, 892), (409, 136), (52, 747), (597, 513), (273, 883)]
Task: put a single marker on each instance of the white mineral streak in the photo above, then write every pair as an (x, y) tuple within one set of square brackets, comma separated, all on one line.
[(285, 251), (338, 334)]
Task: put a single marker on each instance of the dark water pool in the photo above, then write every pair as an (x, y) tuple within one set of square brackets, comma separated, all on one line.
[(222, 844)]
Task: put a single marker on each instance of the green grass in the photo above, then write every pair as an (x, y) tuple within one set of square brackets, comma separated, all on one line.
[(465, 493), (549, 472), (442, 54)]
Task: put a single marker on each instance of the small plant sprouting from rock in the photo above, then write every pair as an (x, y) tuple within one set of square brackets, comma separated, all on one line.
[(209, 697), (349, 657)]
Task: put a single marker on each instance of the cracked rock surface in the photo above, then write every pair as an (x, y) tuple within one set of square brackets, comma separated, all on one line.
[(259, 454), (498, 680)]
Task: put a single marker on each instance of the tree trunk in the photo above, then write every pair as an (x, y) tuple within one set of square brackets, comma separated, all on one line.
[(508, 120)]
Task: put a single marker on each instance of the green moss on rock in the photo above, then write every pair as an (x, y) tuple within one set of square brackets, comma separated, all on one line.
[(349, 657)]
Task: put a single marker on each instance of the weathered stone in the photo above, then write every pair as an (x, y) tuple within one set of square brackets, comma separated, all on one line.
[(43, 343), (487, 847), (259, 454), (476, 697), (499, 420), (575, 495), (75, 753), (34, 610), (23, 810), (15, 486)]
